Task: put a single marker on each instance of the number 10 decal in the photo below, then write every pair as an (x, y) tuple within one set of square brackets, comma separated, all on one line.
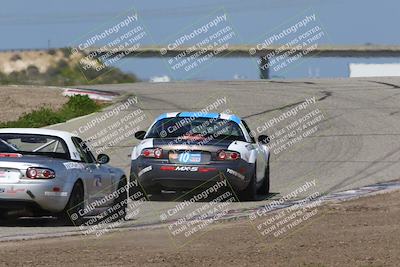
[(184, 157)]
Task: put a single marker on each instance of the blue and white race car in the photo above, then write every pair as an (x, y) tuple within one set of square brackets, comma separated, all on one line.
[(182, 151)]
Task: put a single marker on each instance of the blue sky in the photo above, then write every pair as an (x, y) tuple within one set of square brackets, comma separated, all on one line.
[(60, 23)]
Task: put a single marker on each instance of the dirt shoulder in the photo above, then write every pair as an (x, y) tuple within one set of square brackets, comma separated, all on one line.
[(16, 100), (363, 232)]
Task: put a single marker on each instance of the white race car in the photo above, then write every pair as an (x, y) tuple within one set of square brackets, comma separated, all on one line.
[(49, 172)]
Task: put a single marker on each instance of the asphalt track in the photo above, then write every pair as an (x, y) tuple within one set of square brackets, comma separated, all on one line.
[(355, 144)]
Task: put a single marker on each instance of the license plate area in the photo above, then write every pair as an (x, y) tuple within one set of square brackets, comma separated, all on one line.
[(9, 176), (189, 157)]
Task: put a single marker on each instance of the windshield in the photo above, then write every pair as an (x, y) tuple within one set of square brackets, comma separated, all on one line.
[(34, 144), (196, 128)]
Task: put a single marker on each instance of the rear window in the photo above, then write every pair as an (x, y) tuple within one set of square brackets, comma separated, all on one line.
[(205, 127), (4, 147), (34, 144)]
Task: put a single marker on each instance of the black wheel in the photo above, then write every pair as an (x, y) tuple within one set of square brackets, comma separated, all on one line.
[(152, 193), (121, 201), (70, 215), (264, 189), (3, 215), (136, 191), (250, 192)]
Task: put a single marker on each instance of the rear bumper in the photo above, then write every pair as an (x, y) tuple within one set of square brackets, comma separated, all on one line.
[(39, 196), (160, 174), (21, 205)]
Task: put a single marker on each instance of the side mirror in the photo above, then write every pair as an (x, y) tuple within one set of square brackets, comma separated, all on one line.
[(263, 139), (140, 135), (103, 159)]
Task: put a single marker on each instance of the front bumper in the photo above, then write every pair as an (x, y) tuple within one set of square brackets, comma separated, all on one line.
[(34, 196), (153, 174)]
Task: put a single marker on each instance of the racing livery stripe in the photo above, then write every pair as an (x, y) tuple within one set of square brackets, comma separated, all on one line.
[(162, 116), (167, 115), (198, 115), (229, 117)]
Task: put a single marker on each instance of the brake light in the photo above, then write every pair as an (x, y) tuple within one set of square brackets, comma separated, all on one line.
[(228, 155), (152, 152), (10, 155), (40, 173)]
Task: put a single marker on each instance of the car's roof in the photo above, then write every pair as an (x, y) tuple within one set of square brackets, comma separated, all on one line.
[(200, 114), (61, 134)]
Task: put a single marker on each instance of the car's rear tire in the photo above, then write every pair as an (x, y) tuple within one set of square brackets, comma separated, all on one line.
[(3, 215), (155, 190), (264, 189), (250, 192), (134, 190), (70, 215)]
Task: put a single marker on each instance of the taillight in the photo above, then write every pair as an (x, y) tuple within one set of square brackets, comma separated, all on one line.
[(152, 152), (40, 173), (10, 155), (228, 155)]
